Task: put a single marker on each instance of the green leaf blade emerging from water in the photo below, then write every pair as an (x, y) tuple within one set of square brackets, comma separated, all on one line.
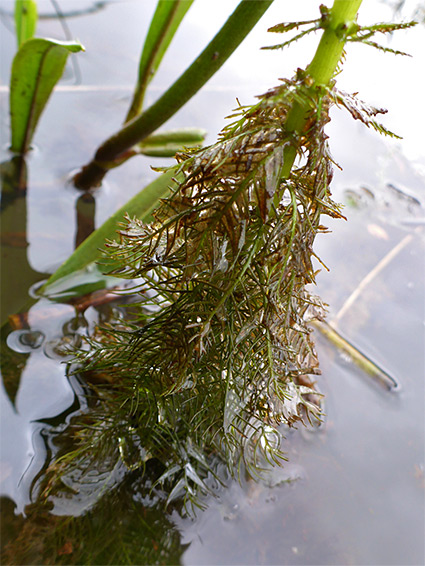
[(36, 68), (25, 20), (165, 22)]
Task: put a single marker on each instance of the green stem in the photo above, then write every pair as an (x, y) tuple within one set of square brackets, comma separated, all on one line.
[(322, 68), (236, 28)]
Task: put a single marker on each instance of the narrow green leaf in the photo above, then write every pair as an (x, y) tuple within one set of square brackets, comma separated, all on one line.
[(25, 20), (167, 143), (178, 135), (165, 22), (285, 27), (36, 68), (140, 206)]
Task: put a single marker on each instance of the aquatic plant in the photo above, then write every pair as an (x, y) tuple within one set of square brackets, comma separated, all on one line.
[(36, 68), (214, 359)]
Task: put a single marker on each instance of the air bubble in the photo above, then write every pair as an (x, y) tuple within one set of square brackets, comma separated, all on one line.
[(25, 341)]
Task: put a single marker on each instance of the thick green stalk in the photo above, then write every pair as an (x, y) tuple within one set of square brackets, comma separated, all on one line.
[(236, 28), (322, 68)]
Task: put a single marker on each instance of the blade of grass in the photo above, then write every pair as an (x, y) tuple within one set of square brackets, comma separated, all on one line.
[(167, 143), (165, 22)]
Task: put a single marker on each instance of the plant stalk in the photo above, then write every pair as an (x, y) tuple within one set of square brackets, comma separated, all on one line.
[(321, 69), (236, 28)]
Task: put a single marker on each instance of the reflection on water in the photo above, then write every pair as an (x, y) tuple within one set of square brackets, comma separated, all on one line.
[(353, 491)]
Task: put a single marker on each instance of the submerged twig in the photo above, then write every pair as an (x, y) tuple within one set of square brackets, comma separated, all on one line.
[(369, 366)]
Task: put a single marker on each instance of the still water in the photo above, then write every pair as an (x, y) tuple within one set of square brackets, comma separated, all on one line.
[(352, 491)]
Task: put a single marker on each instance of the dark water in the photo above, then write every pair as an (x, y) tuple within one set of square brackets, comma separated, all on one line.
[(356, 494)]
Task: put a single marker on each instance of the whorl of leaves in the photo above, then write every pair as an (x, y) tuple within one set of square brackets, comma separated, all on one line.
[(353, 33)]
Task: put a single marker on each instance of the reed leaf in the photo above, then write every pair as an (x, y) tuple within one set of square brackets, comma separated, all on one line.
[(165, 22)]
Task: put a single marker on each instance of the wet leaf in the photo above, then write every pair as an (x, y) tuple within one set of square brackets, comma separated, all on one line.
[(192, 475), (362, 111), (36, 68)]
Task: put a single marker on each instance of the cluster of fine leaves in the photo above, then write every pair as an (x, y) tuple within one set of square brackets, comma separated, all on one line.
[(216, 353), (352, 33)]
